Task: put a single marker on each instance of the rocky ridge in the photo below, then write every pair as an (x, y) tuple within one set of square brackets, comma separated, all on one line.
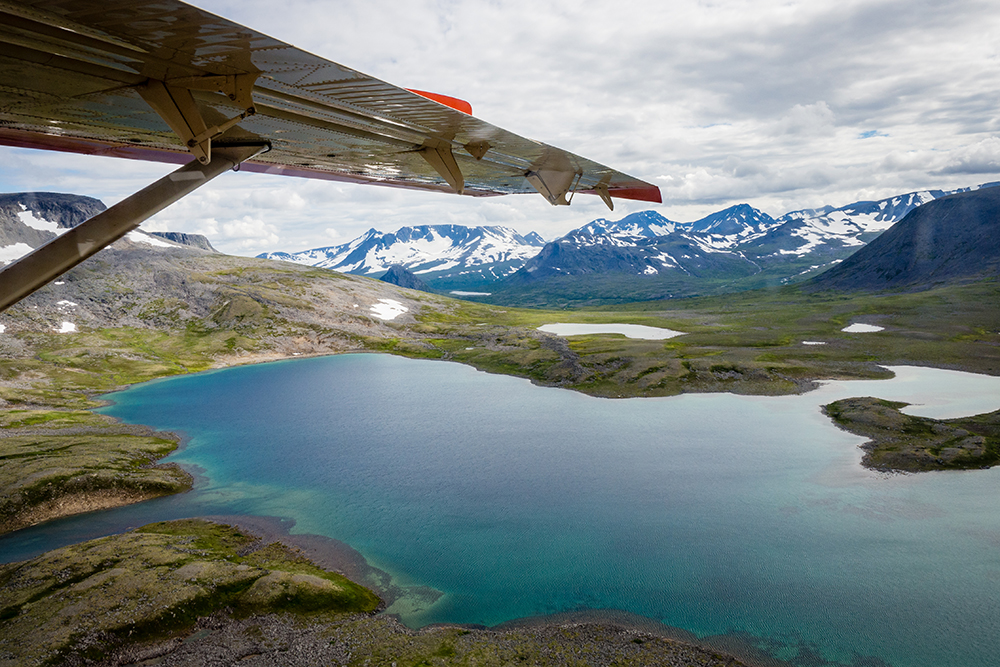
[(30, 219)]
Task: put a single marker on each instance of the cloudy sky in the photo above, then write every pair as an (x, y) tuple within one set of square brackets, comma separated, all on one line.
[(781, 104)]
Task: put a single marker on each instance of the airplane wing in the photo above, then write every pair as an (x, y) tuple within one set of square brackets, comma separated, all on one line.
[(165, 81), (76, 75)]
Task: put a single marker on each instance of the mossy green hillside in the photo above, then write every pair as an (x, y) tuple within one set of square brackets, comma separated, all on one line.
[(84, 600), (754, 343), (69, 370)]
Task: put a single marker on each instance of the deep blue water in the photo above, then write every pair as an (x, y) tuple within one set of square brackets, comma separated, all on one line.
[(717, 514)]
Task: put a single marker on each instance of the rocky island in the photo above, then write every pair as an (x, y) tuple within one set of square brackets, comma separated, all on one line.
[(904, 443)]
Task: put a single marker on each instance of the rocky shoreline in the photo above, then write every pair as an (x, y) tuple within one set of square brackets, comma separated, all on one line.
[(73, 503), (197, 592), (275, 639)]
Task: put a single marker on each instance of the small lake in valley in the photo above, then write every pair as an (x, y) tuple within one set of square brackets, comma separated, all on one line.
[(722, 515), (627, 330)]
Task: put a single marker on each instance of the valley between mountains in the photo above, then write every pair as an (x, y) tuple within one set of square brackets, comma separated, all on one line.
[(150, 307), (153, 306)]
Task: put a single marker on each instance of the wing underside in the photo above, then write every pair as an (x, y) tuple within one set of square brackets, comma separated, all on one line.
[(163, 80)]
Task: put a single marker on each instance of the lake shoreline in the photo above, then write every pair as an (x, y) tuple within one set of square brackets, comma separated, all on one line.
[(579, 630), (135, 475), (598, 618), (337, 556)]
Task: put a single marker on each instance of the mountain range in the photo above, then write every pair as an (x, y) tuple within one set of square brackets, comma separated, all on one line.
[(932, 236), (646, 256), (446, 257), (641, 256)]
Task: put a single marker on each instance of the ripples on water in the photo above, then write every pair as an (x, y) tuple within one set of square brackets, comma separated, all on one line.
[(717, 514)]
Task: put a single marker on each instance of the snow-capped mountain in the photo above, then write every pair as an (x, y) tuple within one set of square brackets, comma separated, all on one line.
[(29, 219), (672, 253), (946, 240), (641, 225), (648, 244), (737, 223), (737, 248), (717, 232), (446, 256), (855, 224)]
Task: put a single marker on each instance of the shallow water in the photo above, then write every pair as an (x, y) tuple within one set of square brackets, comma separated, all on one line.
[(718, 514)]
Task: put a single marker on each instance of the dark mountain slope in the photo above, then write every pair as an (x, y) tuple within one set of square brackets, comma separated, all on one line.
[(33, 217), (403, 277), (952, 239), (63, 209)]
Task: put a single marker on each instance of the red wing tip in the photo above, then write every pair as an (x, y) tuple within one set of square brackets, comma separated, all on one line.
[(447, 100), (649, 193)]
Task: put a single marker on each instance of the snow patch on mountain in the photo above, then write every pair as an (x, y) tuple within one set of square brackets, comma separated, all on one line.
[(138, 236), (388, 309), (493, 251), (29, 219)]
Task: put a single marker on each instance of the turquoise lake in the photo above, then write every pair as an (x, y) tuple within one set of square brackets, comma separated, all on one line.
[(717, 514)]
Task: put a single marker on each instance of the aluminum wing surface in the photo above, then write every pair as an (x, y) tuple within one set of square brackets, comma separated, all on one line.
[(165, 81)]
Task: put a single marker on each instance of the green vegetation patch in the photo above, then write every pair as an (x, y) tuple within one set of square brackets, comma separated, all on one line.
[(55, 463), (749, 343), (82, 601), (915, 444)]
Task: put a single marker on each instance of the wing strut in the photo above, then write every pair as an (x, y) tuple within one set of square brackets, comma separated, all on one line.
[(49, 261)]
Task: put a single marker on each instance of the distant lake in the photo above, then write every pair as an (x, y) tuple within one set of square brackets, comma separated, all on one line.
[(718, 514), (627, 330)]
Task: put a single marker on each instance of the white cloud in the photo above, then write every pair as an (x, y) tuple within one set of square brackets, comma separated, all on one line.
[(807, 119), (980, 158), (248, 234)]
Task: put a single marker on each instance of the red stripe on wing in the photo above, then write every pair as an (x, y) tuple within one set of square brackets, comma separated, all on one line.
[(448, 101)]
